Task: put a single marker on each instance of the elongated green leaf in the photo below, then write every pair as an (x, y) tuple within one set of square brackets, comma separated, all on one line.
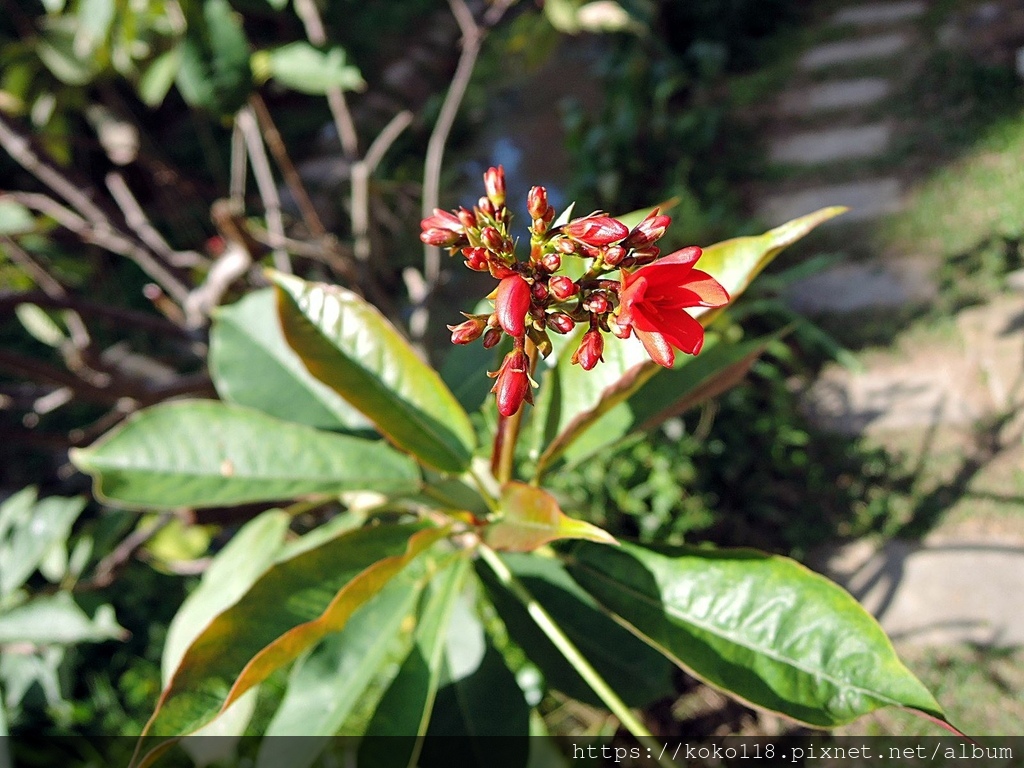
[(406, 706), (531, 518), (207, 453), (637, 672), (571, 399), (328, 684), (306, 69), (251, 364), (294, 605), (760, 627), (29, 529), (347, 344), (734, 263), (57, 619), (231, 573), (479, 702), (719, 367)]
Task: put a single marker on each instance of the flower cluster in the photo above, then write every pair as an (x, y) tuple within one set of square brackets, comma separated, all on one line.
[(648, 297)]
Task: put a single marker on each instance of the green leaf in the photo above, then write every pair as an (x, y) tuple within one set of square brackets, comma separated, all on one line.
[(57, 619), (303, 68), (251, 364), (637, 672), (93, 18), (56, 49), (29, 530), (405, 707), (762, 628), (15, 218), (158, 78), (531, 518), (720, 366), (736, 262), (207, 453), (291, 607), (40, 325), (347, 344), (231, 573), (213, 71), (479, 702), (326, 686)]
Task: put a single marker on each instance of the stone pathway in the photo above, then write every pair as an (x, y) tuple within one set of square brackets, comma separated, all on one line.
[(955, 585)]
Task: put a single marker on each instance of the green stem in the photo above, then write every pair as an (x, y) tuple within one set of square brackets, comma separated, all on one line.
[(573, 656)]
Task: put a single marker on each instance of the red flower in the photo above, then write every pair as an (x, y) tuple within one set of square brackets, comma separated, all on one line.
[(596, 230), (652, 301), (513, 382), (511, 305)]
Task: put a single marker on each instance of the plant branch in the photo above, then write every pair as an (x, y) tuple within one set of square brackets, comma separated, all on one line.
[(572, 654), (112, 314), (265, 183), (361, 171), (140, 224)]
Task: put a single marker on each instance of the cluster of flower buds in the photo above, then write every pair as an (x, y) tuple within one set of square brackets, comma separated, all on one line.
[(647, 297)]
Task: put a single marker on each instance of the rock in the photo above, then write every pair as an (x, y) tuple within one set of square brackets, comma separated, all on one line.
[(831, 145), (880, 13), (836, 95), (854, 51), (856, 286), (866, 200)]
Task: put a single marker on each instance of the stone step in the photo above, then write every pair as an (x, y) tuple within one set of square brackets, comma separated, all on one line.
[(857, 286), (866, 200), (831, 145), (872, 14), (855, 51), (836, 95)]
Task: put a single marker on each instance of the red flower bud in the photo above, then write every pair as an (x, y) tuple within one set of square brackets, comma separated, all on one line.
[(486, 206), (597, 303), (464, 333), (491, 337), (442, 229), (467, 217), (537, 202), (560, 322), (596, 230), (589, 352), (476, 258), (511, 305), (513, 383), (539, 291), (566, 246), (613, 255), (550, 262), (494, 183), (648, 230), (442, 238), (562, 287), (492, 239)]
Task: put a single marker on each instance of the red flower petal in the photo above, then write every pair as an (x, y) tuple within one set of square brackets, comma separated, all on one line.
[(657, 347)]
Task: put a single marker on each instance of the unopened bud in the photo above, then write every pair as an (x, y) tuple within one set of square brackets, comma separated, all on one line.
[(551, 262), (464, 333), (486, 206), (597, 303), (596, 230), (494, 183), (647, 231), (562, 287), (513, 383), (560, 322), (588, 354), (613, 255), (537, 202), (511, 305), (492, 239), (476, 258), (442, 238), (565, 245), (539, 291), (491, 337), (467, 217)]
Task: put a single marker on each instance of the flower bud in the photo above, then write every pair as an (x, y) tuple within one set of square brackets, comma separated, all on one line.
[(492, 239), (613, 255), (442, 238), (596, 230), (442, 229), (476, 258), (467, 217), (588, 354), (511, 305), (562, 287), (486, 207), (550, 262), (647, 231), (491, 337), (539, 291), (494, 183), (513, 383), (597, 303), (559, 322), (464, 333), (537, 202), (565, 245)]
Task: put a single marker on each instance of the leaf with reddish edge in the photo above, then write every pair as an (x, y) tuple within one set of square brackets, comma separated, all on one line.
[(734, 263), (348, 345), (531, 518), (293, 605), (760, 627)]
